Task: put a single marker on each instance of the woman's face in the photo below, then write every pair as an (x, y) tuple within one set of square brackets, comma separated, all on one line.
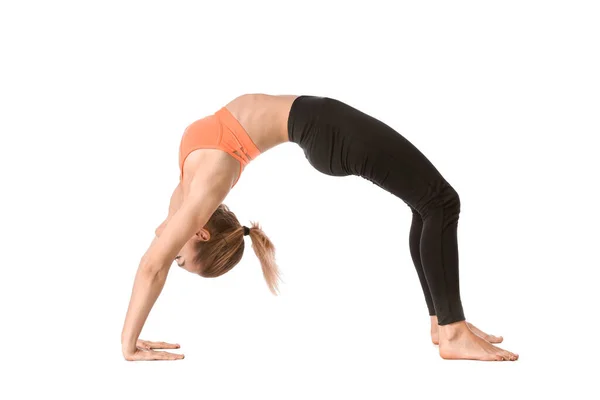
[(186, 255)]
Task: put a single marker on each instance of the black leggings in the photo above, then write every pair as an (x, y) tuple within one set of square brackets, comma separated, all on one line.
[(340, 140)]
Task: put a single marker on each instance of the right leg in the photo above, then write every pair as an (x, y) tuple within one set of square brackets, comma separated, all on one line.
[(416, 230), (375, 151), (439, 208), (338, 139)]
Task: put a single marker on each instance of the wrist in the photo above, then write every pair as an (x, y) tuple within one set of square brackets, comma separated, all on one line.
[(127, 349), (128, 345)]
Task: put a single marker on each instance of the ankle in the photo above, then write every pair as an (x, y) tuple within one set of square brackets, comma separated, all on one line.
[(453, 331), (434, 322)]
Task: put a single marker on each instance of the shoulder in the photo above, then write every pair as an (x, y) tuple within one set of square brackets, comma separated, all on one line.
[(212, 179)]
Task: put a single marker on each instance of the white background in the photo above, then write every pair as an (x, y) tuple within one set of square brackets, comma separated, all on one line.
[(503, 97)]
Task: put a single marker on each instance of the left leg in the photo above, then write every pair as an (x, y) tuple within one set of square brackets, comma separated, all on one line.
[(376, 152), (414, 241), (414, 244), (339, 140)]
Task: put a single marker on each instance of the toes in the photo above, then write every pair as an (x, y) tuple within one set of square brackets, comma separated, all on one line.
[(494, 339)]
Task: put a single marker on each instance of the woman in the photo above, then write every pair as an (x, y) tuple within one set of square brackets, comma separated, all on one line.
[(205, 237)]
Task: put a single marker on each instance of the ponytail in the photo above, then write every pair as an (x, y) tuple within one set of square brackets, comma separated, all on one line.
[(265, 251)]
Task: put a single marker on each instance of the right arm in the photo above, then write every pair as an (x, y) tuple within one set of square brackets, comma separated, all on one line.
[(174, 204), (193, 214)]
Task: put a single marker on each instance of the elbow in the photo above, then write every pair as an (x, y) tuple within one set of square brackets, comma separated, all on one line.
[(149, 268), (158, 231)]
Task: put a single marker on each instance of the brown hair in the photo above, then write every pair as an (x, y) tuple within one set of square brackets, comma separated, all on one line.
[(226, 246)]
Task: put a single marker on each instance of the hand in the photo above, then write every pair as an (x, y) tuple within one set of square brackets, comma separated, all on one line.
[(144, 351), (148, 345)]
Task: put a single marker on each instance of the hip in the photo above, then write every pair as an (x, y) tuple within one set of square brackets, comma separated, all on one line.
[(339, 140)]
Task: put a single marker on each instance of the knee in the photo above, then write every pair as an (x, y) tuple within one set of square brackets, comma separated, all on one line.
[(441, 197), (413, 209), (451, 207), (451, 199)]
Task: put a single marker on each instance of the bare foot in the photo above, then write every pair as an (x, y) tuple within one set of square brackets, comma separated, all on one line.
[(435, 334), (483, 335), (458, 342)]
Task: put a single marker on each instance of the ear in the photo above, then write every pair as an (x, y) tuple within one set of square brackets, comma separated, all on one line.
[(203, 235)]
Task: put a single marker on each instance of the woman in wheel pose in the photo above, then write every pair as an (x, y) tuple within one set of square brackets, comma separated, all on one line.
[(204, 237)]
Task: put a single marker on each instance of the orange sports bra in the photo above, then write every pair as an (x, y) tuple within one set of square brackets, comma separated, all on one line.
[(218, 131)]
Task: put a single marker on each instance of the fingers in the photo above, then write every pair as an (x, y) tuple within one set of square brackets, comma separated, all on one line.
[(162, 345), (142, 344), (160, 355), (150, 355), (147, 345)]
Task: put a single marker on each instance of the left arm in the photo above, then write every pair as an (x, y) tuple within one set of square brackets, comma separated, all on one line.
[(203, 199)]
